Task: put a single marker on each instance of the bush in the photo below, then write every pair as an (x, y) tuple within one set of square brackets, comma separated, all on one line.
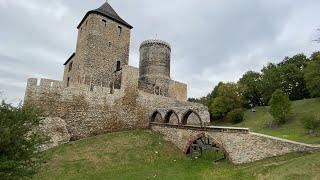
[(235, 116), (280, 106), (18, 141), (311, 123)]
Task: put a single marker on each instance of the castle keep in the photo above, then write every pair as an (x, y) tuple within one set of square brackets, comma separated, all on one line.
[(101, 93)]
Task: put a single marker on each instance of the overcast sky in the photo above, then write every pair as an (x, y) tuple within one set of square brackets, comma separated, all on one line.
[(212, 40)]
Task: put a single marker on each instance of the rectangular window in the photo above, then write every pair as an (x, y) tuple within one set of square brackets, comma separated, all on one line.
[(119, 30), (104, 23), (70, 66), (68, 82), (118, 65)]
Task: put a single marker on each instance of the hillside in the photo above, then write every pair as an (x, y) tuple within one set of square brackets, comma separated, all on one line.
[(293, 130), (144, 155)]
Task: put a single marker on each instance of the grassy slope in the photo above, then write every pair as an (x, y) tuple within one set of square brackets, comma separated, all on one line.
[(144, 155), (293, 130)]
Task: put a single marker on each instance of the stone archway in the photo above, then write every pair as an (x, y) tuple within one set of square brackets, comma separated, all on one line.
[(156, 117), (195, 120), (200, 142), (168, 117)]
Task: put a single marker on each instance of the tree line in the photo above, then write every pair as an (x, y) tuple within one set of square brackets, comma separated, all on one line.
[(297, 77)]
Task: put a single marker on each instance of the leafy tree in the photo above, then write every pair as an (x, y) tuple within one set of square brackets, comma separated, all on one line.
[(229, 98), (271, 81), (236, 115), (312, 76), (280, 106), (252, 83), (18, 141), (292, 81)]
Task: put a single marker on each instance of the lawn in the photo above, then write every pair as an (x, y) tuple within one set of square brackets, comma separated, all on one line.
[(293, 130), (145, 155)]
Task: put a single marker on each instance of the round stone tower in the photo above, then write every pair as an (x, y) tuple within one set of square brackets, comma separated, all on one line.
[(154, 71)]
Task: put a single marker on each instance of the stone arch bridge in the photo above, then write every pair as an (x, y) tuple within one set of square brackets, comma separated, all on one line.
[(181, 116), (239, 145)]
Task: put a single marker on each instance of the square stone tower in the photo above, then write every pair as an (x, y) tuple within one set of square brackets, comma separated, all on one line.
[(102, 50)]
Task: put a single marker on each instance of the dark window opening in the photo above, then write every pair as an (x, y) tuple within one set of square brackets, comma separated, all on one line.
[(91, 87), (109, 44), (68, 82), (118, 66), (157, 90), (104, 23), (119, 30), (70, 66)]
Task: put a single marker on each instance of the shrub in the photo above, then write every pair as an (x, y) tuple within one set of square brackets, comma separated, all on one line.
[(18, 141), (235, 116), (280, 106), (311, 123)]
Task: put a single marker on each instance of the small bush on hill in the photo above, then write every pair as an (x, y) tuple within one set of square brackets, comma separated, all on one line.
[(18, 142), (280, 107), (236, 115), (311, 123)]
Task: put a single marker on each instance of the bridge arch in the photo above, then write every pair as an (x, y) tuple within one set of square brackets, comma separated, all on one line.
[(211, 143), (186, 115), (156, 117), (168, 116)]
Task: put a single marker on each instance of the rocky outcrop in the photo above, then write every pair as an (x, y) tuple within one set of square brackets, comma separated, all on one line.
[(56, 129)]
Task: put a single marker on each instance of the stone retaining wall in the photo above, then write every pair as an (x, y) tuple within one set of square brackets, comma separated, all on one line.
[(240, 147)]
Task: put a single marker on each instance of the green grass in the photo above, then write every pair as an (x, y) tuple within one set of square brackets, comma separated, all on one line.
[(145, 155), (292, 130)]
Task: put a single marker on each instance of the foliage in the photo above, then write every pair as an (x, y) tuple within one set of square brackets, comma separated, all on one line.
[(311, 122), (280, 106), (229, 98), (235, 116), (312, 76), (18, 141), (252, 83)]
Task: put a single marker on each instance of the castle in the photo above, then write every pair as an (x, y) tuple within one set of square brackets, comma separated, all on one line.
[(101, 93)]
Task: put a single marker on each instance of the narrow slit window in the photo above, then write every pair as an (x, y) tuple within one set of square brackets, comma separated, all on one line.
[(70, 66), (119, 30), (68, 82), (104, 23), (118, 65)]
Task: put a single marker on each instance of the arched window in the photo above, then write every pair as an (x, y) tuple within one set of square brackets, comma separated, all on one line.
[(171, 117), (191, 117), (156, 117)]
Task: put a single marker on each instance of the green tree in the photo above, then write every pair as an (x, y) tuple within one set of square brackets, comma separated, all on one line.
[(252, 83), (230, 96), (292, 82), (271, 81), (18, 141), (236, 115), (312, 76), (280, 106)]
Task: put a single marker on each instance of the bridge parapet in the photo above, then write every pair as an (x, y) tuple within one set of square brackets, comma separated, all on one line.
[(204, 128)]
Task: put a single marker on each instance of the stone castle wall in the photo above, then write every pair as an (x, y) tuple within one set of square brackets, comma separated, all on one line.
[(90, 111)]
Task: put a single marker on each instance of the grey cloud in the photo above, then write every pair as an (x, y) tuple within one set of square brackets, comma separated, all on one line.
[(211, 40)]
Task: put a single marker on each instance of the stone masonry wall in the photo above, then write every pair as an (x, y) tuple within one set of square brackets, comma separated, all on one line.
[(178, 90), (99, 110), (240, 147)]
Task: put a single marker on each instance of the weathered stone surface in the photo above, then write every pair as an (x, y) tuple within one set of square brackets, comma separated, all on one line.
[(56, 130), (239, 146)]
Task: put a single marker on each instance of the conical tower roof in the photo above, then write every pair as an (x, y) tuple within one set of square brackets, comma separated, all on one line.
[(107, 11)]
